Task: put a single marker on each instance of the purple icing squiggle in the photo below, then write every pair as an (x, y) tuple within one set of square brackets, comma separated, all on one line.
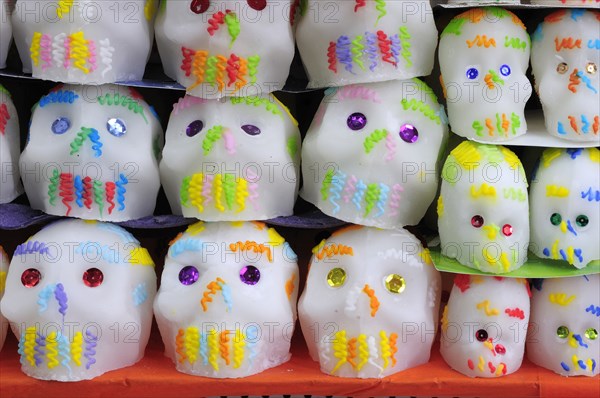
[(371, 50), (40, 344), (61, 297), (90, 348), (395, 47), (31, 247), (343, 52)]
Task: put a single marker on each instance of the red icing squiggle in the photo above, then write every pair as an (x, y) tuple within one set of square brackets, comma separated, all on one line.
[(385, 46), (359, 4), (4, 117), (215, 21), (66, 190), (88, 192), (332, 57), (233, 66), (188, 57), (515, 313), (293, 11), (463, 282), (110, 195)]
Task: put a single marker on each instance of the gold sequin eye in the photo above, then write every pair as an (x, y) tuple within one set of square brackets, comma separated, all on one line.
[(562, 332), (394, 283), (336, 277), (591, 334), (591, 68), (562, 68)]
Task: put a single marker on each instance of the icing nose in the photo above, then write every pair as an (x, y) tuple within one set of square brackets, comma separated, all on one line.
[(563, 227), (491, 231), (373, 302), (489, 81), (84, 135), (216, 286), (570, 228), (488, 344)]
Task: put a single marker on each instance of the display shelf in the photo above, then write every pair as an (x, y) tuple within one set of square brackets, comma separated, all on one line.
[(155, 376)]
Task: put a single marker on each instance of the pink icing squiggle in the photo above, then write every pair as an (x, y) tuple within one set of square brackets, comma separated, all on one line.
[(207, 188), (253, 189), (358, 92), (186, 102), (229, 142), (67, 45), (92, 56), (390, 144), (46, 51), (349, 188), (397, 189)]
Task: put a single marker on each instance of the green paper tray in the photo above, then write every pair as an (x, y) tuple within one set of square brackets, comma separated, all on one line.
[(535, 267)]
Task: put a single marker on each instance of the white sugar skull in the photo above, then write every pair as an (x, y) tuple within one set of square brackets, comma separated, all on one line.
[(565, 206), (10, 148), (227, 300), (5, 31), (84, 41), (3, 269), (348, 42), (93, 153), (483, 212), (484, 54), (370, 305), (565, 58), (484, 325), (565, 321), (234, 159), (219, 48), (79, 299), (370, 155)]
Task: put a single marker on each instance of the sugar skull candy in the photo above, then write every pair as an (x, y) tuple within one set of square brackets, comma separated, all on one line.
[(234, 159), (10, 148), (483, 213), (565, 321), (79, 299), (484, 325), (565, 206), (484, 53), (370, 304), (347, 42), (227, 302), (370, 155), (218, 48), (93, 153), (84, 41), (3, 269), (5, 31), (565, 58)]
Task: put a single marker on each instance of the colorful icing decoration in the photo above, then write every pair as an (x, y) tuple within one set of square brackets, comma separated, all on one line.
[(77, 312), (85, 43), (227, 319), (214, 51), (78, 160), (366, 41), (376, 167), (242, 159), (565, 59), (488, 226), (484, 54), (565, 206), (484, 325), (10, 148), (566, 334), (370, 283), (5, 31)]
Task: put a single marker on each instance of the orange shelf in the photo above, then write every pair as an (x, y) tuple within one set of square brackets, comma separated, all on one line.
[(155, 376)]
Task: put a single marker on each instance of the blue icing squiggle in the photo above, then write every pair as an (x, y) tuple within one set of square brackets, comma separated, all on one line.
[(78, 185), (140, 294), (120, 184), (96, 144), (58, 96), (183, 245), (226, 295), (44, 296)]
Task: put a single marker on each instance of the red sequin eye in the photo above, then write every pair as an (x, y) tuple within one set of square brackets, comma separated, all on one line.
[(500, 349), (507, 230), (199, 6), (481, 335), (477, 221), (258, 5), (93, 277), (31, 277)]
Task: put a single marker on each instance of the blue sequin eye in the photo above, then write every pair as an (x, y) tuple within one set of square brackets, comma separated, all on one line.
[(61, 125), (251, 129), (505, 70), (472, 73), (116, 127), (194, 128), (356, 121)]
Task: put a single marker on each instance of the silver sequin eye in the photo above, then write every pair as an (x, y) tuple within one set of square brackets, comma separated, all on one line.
[(562, 68), (591, 68), (116, 127)]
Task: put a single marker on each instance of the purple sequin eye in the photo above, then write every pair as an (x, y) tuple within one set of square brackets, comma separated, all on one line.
[(188, 275), (409, 133), (250, 275), (357, 121), (194, 128), (61, 125), (251, 129), (472, 73)]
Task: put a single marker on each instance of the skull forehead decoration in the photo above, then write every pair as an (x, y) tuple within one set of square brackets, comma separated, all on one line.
[(484, 54), (484, 325), (483, 213), (5, 31), (84, 41), (10, 184), (227, 301), (565, 59), (79, 299), (3, 269), (93, 154), (234, 159), (226, 48), (566, 314), (370, 155), (565, 206), (362, 41), (370, 304)]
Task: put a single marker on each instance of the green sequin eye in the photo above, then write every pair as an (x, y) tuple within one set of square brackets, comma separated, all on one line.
[(555, 219), (591, 334), (582, 220), (562, 332), (336, 277)]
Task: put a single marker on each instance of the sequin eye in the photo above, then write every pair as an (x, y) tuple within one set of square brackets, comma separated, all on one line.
[(250, 275), (591, 334), (472, 73), (251, 129), (116, 127), (505, 70), (477, 221), (199, 6), (188, 275), (409, 133), (562, 68), (481, 335), (194, 128), (356, 121), (562, 332), (93, 277), (336, 277), (395, 283), (507, 230), (555, 219), (500, 349), (31, 277), (61, 125), (591, 68), (258, 5), (582, 220)]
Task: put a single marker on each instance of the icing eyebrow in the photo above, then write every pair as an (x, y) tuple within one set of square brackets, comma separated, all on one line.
[(124, 101), (328, 250), (185, 245), (58, 97), (267, 104), (358, 92), (483, 190), (252, 246), (187, 102), (591, 195), (557, 191), (31, 247)]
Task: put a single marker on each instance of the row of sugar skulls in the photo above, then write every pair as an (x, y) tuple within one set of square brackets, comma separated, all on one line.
[(226, 306)]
